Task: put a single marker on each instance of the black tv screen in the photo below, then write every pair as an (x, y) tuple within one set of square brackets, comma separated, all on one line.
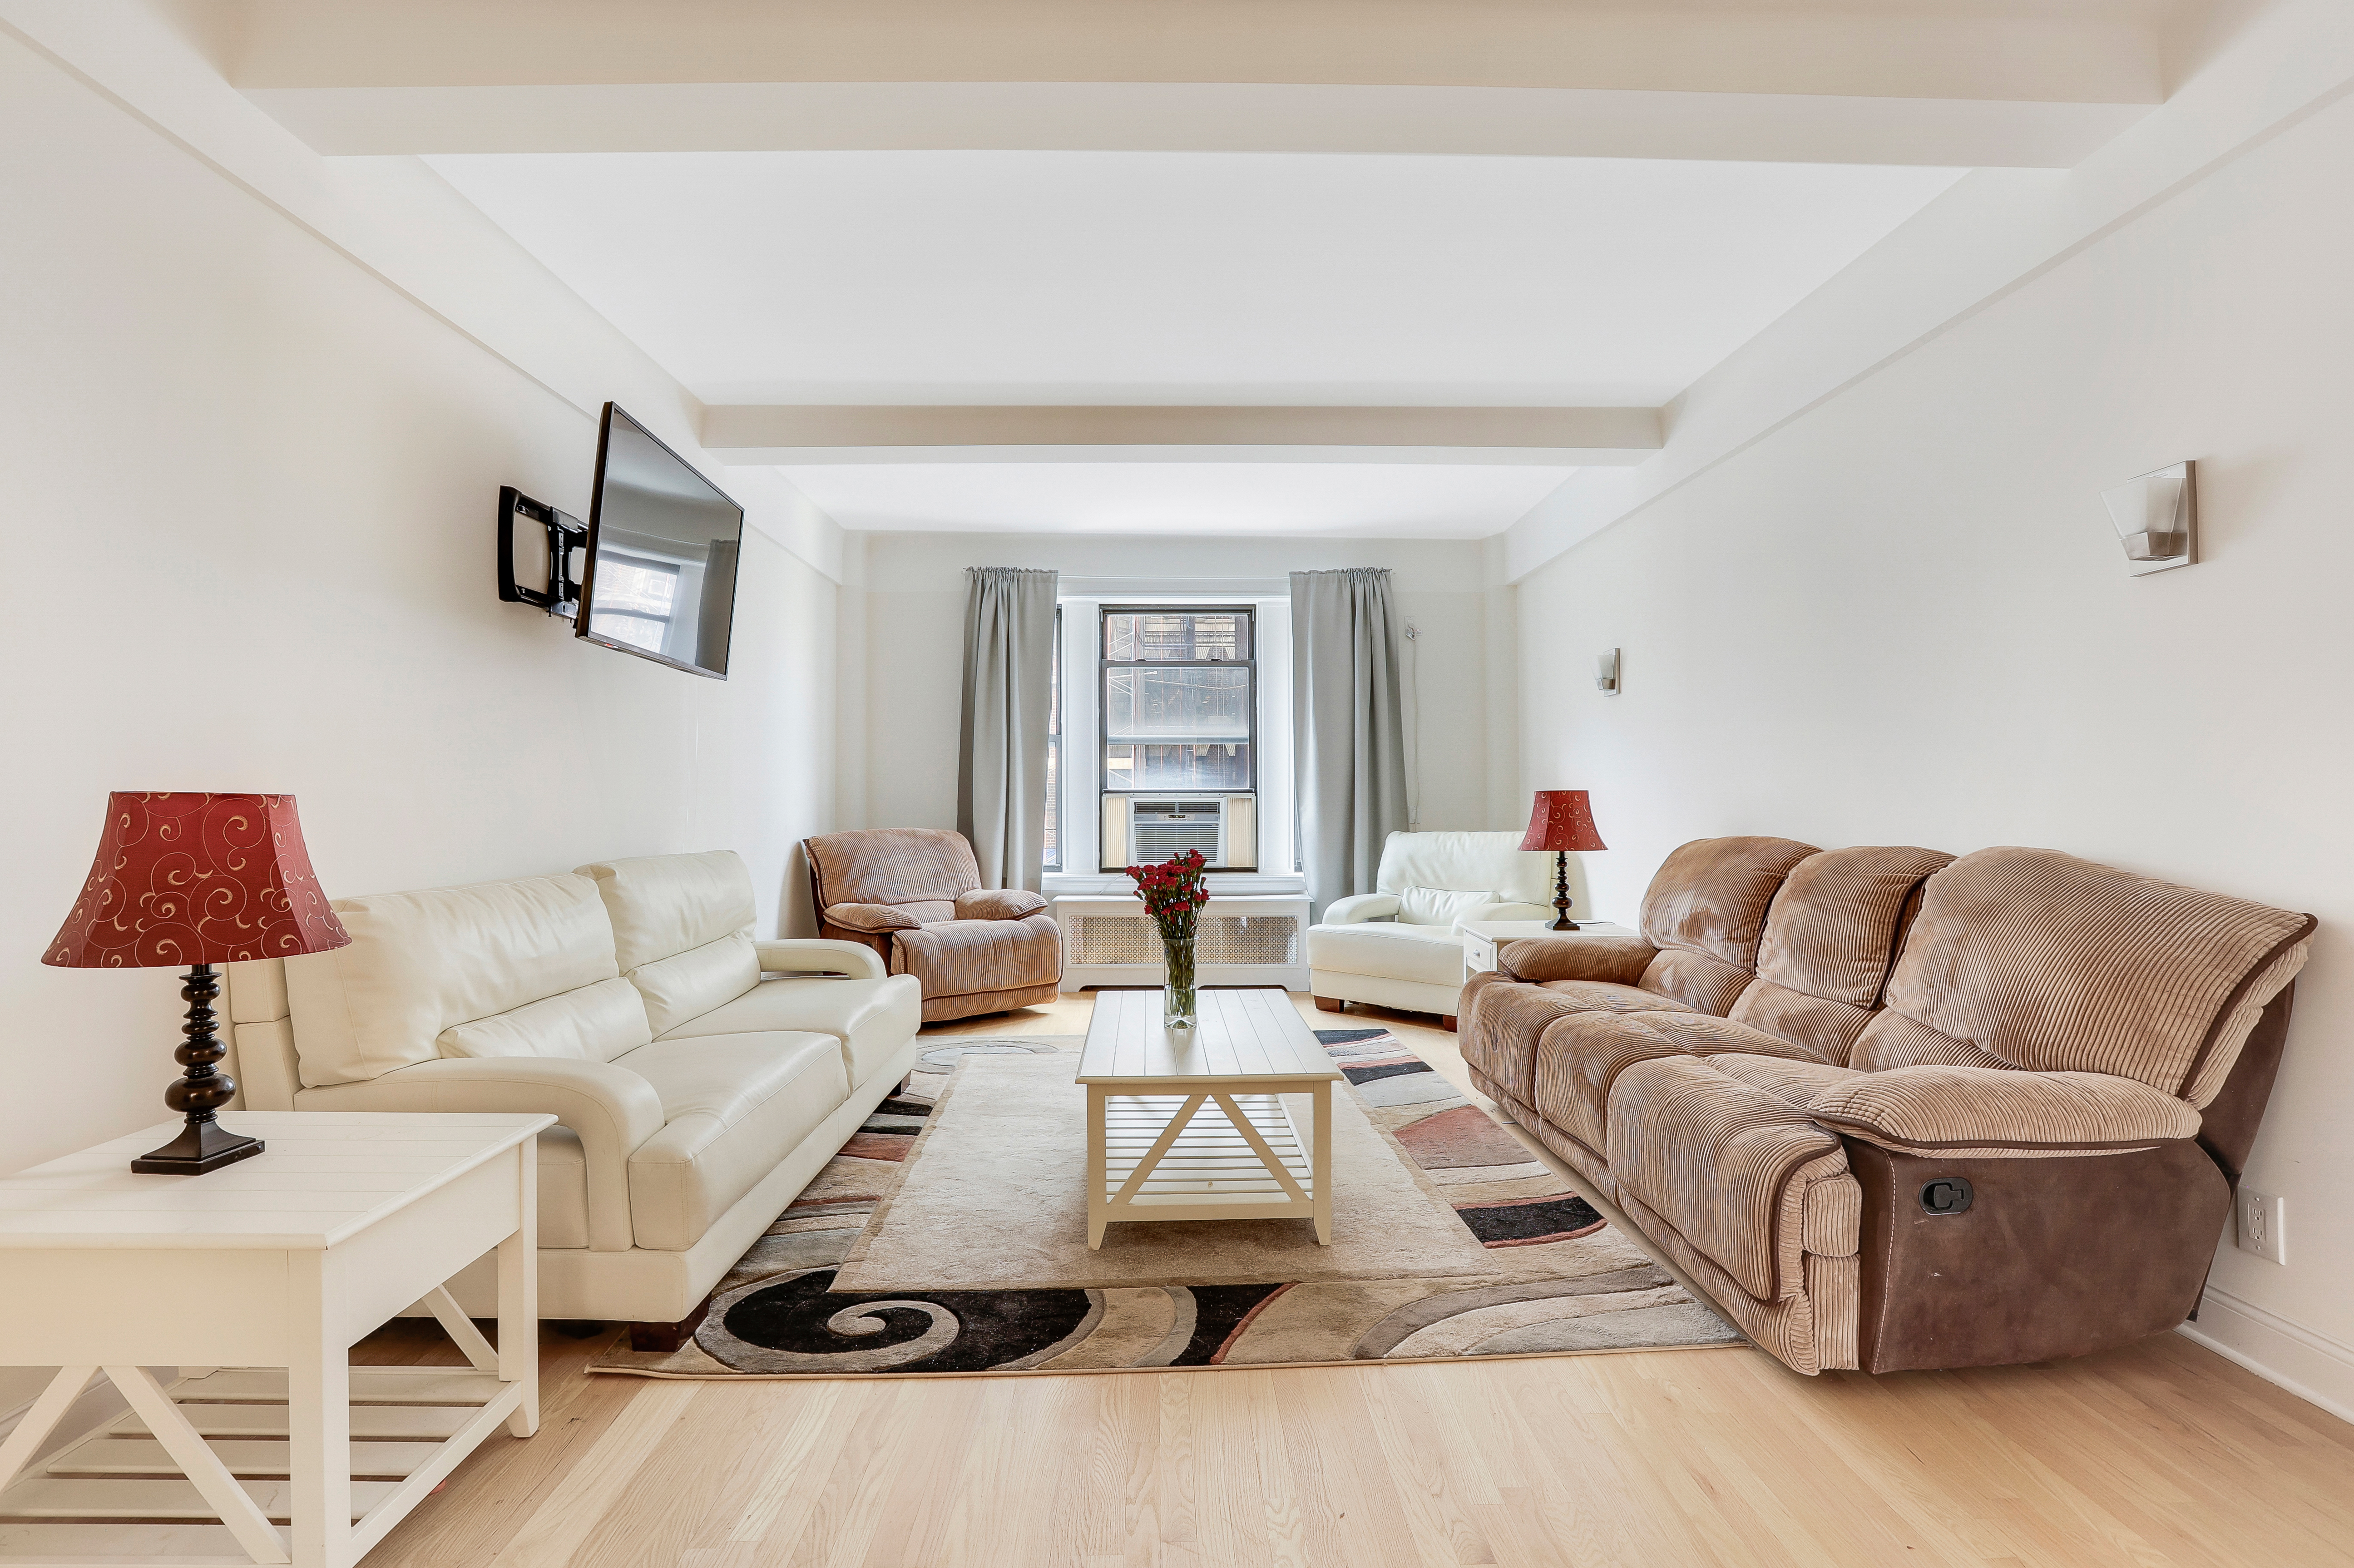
[(662, 545)]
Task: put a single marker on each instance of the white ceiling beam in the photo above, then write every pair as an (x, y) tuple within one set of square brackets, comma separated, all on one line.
[(799, 434), (1796, 81), (1214, 117)]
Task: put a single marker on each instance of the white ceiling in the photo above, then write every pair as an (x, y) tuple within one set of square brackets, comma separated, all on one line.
[(1181, 278), (1186, 278), (1406, 500)]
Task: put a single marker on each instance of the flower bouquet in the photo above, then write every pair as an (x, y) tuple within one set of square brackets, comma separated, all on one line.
[(1174, 893)]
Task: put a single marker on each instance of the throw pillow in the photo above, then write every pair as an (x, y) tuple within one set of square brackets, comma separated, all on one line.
[(1438, 905)]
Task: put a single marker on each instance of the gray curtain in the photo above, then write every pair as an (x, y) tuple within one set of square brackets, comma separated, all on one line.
[(1009, 671), (1348, 728)]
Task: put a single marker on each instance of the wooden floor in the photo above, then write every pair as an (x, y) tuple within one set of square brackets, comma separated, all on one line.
[(2161, 1453)]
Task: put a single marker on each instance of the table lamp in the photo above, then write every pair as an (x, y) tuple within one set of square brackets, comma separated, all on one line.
[(199, 880), (1562, 822)]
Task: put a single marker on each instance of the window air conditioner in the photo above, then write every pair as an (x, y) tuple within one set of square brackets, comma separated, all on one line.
[(1140, 830)]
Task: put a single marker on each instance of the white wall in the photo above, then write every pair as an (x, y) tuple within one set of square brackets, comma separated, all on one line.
[(249, 492), (914, 648), (1904, 618)]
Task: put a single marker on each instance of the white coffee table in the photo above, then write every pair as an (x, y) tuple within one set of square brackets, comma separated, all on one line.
[(1152, 1152)]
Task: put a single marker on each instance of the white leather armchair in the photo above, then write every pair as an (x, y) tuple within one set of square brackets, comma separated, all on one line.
[(1399, 945), (700, 1077)]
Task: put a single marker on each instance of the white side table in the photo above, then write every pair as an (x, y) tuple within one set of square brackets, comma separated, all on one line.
[(281, 1261), (1482, 937)]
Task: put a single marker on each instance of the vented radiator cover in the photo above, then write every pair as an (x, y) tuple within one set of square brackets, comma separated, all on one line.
[(1242, 942)]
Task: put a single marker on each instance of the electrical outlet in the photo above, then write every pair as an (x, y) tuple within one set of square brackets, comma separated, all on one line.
[(2263, 1224)]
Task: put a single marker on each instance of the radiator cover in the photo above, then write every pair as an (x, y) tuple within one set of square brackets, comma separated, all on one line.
[(1243, 940)]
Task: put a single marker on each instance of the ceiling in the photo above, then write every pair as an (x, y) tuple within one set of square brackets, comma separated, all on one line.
[(1403, 501), (1172, 277)]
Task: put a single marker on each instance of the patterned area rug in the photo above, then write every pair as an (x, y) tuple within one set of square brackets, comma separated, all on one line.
[(1531, 1268)]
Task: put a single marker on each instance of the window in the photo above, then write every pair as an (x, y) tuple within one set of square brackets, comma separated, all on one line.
[(1179, 704), (1053, 858)]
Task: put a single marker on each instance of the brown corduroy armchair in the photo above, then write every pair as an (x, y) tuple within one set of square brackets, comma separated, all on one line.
[(913, 894)]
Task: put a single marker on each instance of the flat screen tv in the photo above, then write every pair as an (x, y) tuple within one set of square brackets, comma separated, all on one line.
[(662, 544)]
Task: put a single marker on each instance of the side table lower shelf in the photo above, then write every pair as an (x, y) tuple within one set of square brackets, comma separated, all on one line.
[(118, 1496)]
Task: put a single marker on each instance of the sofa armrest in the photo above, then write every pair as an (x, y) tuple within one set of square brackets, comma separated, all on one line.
[(817, 955), (997, 904), (1576, 956), (875, 917), (1991, 1112), (1362, 908), (611, 1110)]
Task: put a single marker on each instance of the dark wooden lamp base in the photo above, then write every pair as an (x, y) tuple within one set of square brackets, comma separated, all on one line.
[(203, 1144), (1561, 920)]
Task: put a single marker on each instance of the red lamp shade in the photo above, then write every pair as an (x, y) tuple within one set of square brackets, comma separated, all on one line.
[(1562, 820), (184, 878)]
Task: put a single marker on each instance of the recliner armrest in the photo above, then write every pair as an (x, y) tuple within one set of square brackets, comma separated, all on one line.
[(611, 1110), (1993, 1112), (997, 904), (820, 956), (1576, 956), (1363, 907), (875, 917)]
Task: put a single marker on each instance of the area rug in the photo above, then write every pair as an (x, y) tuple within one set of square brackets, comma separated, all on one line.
[(949, 1236)]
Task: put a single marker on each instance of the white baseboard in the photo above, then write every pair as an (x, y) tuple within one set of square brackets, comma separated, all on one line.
[(2314, 1366)]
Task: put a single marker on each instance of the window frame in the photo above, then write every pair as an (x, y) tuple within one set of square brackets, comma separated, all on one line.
[(1104, 664), (1057, 760)]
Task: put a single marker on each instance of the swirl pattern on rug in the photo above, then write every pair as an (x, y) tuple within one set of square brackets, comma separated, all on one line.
[(776, 1314)]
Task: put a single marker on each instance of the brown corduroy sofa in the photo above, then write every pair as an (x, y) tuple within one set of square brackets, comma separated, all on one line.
[(1892, 1109), (913, 894)]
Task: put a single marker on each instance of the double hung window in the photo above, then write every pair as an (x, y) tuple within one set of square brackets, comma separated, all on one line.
[(1178, 702)]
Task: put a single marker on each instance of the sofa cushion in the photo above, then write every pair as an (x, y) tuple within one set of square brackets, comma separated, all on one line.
[(1441, 906), (872, 1018), (1730, 1166), (1833, 928), (593, 1024), (1493, 860), (2057, 964), (1828, 1029), (1790, 1079), (1700, 980), (1431, 954), (1710, 895), (956, 958), (687, 985), (666, 904), (421, 963), (1579, 1058), (892, 866), (1602, 996), (1982, 1111), (733, 1107), (1893, 1040)]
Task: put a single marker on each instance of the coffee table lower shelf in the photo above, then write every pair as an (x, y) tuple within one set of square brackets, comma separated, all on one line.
[(1211, 1155)]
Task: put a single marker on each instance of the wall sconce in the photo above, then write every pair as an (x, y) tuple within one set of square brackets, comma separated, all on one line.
[(1605, 672), (2157, 518)]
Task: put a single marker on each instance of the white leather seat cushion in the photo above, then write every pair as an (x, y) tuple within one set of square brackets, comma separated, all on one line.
[(1430, 954), (871, 1018), (733, 1107)]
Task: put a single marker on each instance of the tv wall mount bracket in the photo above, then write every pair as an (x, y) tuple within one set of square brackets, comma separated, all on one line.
[(566, 534)]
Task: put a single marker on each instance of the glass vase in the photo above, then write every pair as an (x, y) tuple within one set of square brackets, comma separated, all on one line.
[(1178, 1008)]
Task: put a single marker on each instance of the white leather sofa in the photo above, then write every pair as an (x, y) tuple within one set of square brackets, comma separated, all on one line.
[(700, 1077), (1399, 945)]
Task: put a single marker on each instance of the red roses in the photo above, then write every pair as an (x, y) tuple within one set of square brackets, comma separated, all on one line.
[(1174, 891)]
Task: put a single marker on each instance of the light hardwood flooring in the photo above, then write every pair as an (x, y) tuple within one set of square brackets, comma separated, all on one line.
[(2161, 1453)]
